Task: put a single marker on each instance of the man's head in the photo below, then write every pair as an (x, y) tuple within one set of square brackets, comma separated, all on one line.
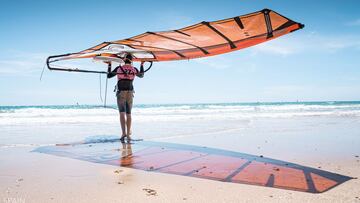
[(128, 59)]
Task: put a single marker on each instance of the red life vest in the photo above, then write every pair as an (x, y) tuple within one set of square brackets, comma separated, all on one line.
[(126, 72)]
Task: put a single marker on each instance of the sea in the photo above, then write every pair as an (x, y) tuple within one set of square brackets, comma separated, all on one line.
[(53, 114), (210, 124)]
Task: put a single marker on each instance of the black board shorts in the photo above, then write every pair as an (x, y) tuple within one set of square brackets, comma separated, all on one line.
[(125, 100)]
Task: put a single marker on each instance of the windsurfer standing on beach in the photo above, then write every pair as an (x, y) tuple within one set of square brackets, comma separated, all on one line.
[(125, 93)]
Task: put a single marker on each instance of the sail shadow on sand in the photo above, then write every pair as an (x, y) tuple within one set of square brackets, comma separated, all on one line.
[(200, 162)]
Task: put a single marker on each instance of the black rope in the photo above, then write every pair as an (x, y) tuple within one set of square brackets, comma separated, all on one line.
[(151, 63), (42, 72), (100, 88), (63, 68), (106, 84)]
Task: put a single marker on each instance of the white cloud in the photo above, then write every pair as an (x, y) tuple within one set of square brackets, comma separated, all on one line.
[(275, 47), (335, 43), (310, 92), (339, 43), (353, 23), (22, 63), (228, 61), (283, 90), (307, 43), (217, 62), (175, 21)]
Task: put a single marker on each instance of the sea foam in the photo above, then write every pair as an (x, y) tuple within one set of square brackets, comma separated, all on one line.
[(175, 112)]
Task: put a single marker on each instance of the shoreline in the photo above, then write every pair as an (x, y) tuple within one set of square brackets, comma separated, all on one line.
[(196, 103)]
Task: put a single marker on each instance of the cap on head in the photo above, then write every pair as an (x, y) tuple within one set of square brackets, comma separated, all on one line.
[(128, 58)]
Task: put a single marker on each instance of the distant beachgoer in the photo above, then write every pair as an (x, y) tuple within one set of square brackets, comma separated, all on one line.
[(125, 93)]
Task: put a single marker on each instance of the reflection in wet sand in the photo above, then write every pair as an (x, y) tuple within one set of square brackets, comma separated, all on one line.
[(126, 155), (201, 162)]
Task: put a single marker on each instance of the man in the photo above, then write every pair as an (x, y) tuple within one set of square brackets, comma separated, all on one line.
[(125, 93)]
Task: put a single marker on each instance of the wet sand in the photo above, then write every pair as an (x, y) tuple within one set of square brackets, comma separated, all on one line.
[(34, 177), (331, 145)]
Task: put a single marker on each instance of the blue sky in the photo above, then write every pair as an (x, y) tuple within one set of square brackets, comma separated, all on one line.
[(320, 62)]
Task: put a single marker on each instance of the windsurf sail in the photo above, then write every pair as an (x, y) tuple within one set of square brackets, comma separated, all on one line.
[(199, 40)]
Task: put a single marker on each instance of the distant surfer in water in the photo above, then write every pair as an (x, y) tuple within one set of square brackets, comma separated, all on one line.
[(125, 92)]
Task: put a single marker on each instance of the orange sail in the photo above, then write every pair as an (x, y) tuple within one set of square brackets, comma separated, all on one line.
[(200, 40)]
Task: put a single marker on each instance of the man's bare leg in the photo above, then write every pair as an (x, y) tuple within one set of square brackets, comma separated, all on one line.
[(122, 124), (128, 125)]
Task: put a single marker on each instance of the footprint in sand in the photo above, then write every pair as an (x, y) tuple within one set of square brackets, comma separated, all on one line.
[(118, 171), (150, 192)]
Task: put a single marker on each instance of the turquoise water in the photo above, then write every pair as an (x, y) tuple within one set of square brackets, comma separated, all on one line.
[(28, 115), (182, 122), (176, 112), (192, 106)]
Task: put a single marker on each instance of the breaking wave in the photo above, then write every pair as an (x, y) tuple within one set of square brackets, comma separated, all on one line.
[(175, 112)]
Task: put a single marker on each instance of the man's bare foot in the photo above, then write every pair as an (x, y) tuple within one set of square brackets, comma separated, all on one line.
[(122, 139), (128, 138)]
